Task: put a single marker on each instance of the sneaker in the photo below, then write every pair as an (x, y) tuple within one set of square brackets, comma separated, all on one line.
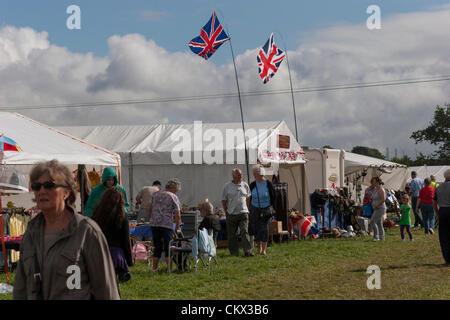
[(249, 254), (403, 240), (412, 240), (375, 239), (431, 231)]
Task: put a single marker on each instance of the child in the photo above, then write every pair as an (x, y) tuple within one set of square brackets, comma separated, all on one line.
[(405, 217)]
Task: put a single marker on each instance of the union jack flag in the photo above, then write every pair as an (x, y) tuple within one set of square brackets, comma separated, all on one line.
[(211, 38), (269, 59)]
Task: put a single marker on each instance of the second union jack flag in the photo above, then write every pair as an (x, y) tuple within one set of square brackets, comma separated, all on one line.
[(269, 59), (211, 38)]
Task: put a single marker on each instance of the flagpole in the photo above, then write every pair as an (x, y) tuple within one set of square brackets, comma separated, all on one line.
[(240, 106), (292, 89), (240, 100)]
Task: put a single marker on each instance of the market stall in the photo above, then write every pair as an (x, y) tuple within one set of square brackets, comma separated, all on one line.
[(208, 153)]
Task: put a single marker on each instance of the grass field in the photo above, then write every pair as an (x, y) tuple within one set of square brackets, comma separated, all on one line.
[(319, 269)]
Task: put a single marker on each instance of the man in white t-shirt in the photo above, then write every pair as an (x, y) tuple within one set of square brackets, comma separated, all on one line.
[(235, 199)]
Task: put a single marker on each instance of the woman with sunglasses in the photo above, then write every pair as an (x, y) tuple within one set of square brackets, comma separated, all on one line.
[(63, 255)]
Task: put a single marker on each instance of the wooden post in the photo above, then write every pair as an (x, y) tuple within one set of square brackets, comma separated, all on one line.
[(81, 181)]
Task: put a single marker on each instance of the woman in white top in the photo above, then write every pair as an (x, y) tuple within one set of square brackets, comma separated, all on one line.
[(379, 208)]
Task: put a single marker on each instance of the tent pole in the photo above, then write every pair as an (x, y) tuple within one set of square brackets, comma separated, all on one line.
[(130, 178), (81, 176)]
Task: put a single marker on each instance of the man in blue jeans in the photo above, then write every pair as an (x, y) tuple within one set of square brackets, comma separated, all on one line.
[(415, 185)]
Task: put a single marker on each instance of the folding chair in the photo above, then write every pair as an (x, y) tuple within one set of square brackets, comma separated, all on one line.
[(180, 247), (180, 252), (206, 249), (188, 252)]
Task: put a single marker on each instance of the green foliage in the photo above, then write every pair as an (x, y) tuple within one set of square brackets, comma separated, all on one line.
[(437, 133), (366, 151)]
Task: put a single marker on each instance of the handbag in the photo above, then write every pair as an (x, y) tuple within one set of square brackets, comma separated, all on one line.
[(367, 210), (263, 213)]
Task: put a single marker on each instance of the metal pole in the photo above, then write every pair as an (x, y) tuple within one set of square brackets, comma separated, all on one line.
[(292, 89), (242, 115)]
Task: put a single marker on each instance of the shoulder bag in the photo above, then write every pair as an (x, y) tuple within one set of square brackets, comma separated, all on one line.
[(264, 214)]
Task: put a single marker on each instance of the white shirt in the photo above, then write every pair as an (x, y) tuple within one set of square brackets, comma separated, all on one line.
[(236, 197)]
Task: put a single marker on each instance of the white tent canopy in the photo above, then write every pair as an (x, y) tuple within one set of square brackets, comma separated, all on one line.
[(425, 172), (201, 155), (393, 174), (39, 142)]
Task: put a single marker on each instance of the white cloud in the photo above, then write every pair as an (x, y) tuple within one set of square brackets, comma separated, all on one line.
[(152, 15), (35, 72)]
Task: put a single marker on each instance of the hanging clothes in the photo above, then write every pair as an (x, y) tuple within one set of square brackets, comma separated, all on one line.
[(281, 204), (18, 223)]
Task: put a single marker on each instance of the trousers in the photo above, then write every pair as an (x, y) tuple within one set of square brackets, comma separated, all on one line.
[(235, 222)]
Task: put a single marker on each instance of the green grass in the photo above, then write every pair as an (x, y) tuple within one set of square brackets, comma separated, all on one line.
[(317, 269)]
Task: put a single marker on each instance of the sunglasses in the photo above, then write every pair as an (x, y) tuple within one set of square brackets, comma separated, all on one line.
[(36, 186)]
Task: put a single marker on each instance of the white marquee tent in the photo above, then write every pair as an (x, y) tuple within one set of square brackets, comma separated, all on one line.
[(393, 174), (200, 155), (425, 172), (39, 142)]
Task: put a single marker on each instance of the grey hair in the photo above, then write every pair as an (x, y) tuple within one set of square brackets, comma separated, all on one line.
[(173, 183), (257, 168), (427, 181), (447, 174)]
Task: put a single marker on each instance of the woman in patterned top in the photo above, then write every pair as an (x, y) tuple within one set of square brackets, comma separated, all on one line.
[(164, 212)]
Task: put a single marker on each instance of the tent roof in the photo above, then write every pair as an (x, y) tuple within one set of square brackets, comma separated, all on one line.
[(39, 142), (154, 144), (393, 174), (353, 161), (425, 172)]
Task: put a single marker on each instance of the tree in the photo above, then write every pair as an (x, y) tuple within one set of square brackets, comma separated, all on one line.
[(437, 133), (327, 146), (404, 160), (366, 151)]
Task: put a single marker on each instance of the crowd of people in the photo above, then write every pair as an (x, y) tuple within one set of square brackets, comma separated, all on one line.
[(62, 251), (421, 197)]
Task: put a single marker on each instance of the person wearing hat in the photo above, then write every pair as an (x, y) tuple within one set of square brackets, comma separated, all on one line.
[(442, 206), (109, 179)]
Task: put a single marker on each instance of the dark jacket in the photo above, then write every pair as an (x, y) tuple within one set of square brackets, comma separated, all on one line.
[(210, 222), (120, 238), (82, 244), (271, 191)]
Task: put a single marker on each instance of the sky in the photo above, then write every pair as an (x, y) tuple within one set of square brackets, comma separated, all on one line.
[(137, 50)]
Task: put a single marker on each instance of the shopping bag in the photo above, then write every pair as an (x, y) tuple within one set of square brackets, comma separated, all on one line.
[(203, 241), (212, 247), (367, 210)]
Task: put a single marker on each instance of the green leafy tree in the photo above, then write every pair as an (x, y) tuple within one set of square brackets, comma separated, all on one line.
[(403, 160), (437, 133), (366, 151), (327, 146)]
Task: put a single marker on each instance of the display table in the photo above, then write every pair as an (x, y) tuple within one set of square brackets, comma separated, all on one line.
[(145, 230)]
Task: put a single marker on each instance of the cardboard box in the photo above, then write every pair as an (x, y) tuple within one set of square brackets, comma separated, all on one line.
[(275, 227)]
